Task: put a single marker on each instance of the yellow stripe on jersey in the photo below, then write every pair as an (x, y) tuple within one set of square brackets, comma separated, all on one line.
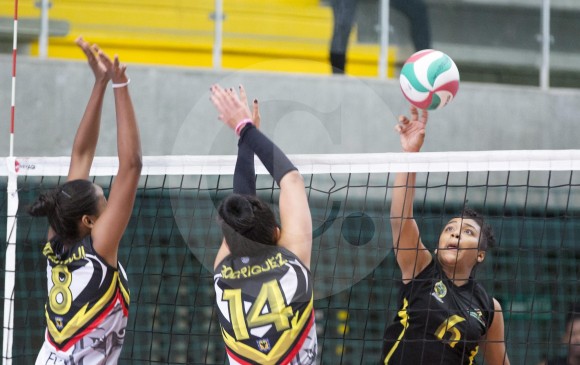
[(405, 322), (124, 292), (83, 316), (280, 348), (472, 355)]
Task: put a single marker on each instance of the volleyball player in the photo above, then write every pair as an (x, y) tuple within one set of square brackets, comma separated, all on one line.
[(88, 296), (444, 315), (262, 273)]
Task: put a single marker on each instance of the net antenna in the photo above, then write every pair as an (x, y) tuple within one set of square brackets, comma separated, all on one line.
[(12, 208)]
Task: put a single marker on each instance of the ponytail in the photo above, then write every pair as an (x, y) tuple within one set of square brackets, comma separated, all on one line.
[(65, 206)]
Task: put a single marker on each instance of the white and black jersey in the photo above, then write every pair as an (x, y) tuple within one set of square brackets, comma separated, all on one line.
[(87, 307), (265, 306)]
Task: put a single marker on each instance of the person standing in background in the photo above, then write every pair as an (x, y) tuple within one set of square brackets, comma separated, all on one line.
[(344, 11)]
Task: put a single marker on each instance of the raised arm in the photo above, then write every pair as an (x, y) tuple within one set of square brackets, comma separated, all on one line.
[(296, 231), (244, 172), (412, 255), (112, 223), (87, 135), (85, 142)]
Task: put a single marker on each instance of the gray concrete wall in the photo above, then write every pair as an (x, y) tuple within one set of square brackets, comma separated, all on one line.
[(302, 113)]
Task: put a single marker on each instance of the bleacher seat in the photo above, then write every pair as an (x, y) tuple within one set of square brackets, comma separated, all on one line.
[(277, 35)]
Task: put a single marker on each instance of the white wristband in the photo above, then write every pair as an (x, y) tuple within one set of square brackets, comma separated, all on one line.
[(116, 86)]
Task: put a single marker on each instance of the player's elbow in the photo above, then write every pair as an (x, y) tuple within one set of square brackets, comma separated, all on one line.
[(133, 164), (292, 178), (396, 225)]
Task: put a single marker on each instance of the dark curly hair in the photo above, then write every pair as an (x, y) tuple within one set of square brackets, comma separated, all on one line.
[(487, 237)]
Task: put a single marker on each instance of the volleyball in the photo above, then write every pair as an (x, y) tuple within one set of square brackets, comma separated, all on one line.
[(429, 79)]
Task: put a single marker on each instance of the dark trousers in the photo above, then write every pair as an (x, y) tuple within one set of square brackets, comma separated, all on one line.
[(344, 11)]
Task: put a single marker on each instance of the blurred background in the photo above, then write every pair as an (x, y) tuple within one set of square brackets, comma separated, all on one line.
[(499, 41)]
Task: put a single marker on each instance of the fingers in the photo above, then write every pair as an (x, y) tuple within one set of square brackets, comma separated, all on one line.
[(228, 97), (105, 60), (86, 48), (84, 45), (256, 117), (219, 96), (403, 119), (415, 124), (221, 99), (403, 123), (424, 116), (243, 96), (414, 112)]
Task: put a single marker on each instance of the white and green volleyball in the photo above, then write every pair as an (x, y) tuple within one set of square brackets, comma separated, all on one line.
[(429, 79)]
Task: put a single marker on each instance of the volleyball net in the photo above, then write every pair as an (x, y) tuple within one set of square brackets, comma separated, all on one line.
[(531, 198)]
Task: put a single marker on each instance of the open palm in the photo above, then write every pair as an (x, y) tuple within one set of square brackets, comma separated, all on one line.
[(412, 131)]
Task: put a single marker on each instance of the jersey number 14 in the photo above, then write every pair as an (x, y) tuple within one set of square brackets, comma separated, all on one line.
[(271, 295)]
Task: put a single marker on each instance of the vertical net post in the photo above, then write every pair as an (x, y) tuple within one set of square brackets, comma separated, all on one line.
[(218, 34), (12, 208), (10, 265), (385, 26)]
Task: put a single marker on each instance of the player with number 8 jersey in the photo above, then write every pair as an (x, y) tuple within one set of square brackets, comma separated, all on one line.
[(85, 296), (88, 296), (262, 273)]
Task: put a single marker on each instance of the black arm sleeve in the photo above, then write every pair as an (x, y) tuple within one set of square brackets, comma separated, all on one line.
[(271, 156), (244, 172)]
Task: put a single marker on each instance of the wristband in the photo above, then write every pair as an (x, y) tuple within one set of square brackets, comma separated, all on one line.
[(241, 125), (116, 86)]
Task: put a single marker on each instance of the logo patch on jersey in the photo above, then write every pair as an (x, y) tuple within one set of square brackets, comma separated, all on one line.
[(263, 344), (477, 314), (440, 289), (59, 322), (245, 260)]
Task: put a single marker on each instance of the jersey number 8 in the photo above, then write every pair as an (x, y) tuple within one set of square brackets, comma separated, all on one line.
[(60, 296)]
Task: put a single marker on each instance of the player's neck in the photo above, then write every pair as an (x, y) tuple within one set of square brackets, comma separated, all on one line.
[(457, 276)]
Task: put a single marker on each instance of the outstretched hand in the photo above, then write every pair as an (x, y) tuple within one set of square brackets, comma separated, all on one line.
[(114, 69), (91, 51), (412, 131), (231, 108)]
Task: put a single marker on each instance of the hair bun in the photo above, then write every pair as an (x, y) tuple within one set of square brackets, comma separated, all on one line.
[(240, 213), (43, 205)]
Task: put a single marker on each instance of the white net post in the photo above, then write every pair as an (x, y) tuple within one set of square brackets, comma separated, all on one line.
[(10, 265)]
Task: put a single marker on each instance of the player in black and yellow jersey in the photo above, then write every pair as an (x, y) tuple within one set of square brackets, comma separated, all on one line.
[(444, 315), (262, 271), (88, 296)]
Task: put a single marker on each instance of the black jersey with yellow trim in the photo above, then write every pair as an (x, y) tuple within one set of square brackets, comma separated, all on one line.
[(265, 308), (82, 291), (437, 322)]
